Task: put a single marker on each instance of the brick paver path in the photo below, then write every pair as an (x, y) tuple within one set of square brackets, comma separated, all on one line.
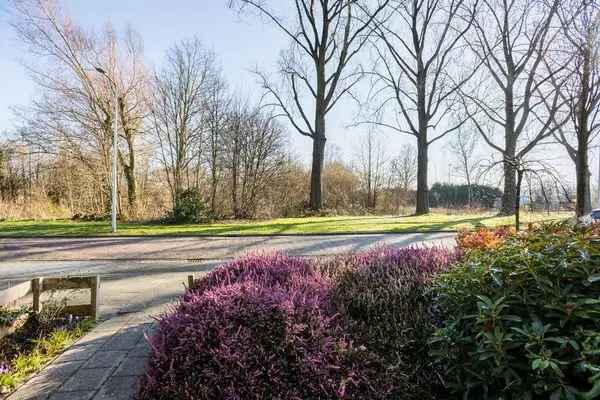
[(107, 363)]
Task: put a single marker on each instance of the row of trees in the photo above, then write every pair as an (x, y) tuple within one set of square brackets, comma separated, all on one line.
[(180, 120), (201, 129), (520, 72), (38, 186)]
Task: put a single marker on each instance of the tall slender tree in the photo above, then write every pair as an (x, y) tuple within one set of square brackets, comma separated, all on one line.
[(372, 163), (416, 73), (74, 112), (463, 146), (178, 111), (317, 71), (511, 38), (580, 21)]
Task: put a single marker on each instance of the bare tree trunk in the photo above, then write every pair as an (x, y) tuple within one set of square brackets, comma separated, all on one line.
[(318, 158), (129, 171), (213, 191), (235, 165), (422, 188), (319, 139), (582, 206), (510, 191), (469, 190), (517, 203), (510, 151), (131, 189), (588, 195), (583, 202)]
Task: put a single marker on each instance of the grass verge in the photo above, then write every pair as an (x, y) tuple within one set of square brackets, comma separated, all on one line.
[(282, 226), (44, 350)]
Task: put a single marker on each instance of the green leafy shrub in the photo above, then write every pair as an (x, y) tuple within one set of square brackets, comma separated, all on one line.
[(523, 320), (190, 208)]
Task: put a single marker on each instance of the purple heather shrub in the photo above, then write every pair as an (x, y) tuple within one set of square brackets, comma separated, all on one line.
[(277, 327), (269, 270), (384, 295), (248, 341)]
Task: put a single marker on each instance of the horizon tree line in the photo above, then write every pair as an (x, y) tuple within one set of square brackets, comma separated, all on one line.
[(519, 73)]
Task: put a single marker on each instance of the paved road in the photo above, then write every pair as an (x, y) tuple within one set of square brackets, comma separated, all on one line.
[(23, 258), (193, 248)]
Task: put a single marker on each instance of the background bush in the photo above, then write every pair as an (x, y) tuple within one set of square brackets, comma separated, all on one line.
[(522, 321), (189, 208)]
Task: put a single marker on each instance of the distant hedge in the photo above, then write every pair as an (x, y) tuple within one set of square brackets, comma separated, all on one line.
[(450, 195)]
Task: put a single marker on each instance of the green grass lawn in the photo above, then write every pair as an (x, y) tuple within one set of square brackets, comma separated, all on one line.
[(313, 225)]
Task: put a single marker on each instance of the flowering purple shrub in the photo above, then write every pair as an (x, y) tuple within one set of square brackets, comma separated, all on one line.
[(257, 328), (384, 295), (268, 270), (269, 327)]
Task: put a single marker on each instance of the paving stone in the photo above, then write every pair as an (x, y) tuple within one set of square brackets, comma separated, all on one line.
[(140, 318), (142, 349), (125, 339), (80, 395), (86, 379), (113, 324), (132, 366), (95, 337), (37, 388), (60, 370), (150, 329), (105, 359), (118, 388), (78, 353)]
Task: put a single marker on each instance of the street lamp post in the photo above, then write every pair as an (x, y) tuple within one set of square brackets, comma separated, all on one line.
[(114, 152), (598, 188)]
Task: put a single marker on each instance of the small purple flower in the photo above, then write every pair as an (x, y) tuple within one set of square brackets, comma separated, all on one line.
[(4, 368)]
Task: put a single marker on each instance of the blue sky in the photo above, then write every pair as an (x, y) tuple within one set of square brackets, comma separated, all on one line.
[(241, 44)]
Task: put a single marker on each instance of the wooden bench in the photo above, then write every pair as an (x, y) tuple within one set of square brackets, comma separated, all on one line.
[(40, 285)]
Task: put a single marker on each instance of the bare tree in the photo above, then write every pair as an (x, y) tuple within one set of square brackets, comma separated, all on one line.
[(531, 170), (511, 39), (75, 111), (179, 112), (416, 73), (463, 146), (218, 110), (580, 20), (403, 171), (325, 37), (253, 156), (372, 162)]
